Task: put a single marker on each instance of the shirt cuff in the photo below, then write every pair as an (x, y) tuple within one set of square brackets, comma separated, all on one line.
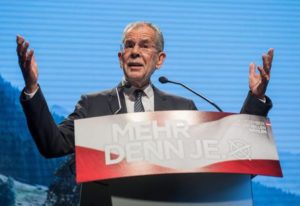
[(29, 96), (263, 100)]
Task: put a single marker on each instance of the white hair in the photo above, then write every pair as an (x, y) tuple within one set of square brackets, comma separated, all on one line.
[(159, 36)]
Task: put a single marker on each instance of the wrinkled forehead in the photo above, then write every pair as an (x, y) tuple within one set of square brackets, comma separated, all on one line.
[(140, 33)]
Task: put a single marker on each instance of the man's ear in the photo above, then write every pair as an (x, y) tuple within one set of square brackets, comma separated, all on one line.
[(161, 58), (120, 56)]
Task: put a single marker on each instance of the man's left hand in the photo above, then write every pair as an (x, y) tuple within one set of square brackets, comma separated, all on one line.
[(258, 82)]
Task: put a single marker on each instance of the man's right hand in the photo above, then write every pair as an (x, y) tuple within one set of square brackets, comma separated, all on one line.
[(27, 64)]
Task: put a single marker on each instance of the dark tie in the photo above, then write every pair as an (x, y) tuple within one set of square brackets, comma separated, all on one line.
[(138, 105)]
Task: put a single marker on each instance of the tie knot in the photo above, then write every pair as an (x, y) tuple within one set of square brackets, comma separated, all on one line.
[(138, 93)]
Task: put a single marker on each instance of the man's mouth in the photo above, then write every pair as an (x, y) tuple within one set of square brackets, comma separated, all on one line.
[(134, 64)]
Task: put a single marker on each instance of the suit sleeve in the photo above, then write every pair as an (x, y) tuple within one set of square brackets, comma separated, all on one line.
[(192, 106), (52, 140), (254, 106)]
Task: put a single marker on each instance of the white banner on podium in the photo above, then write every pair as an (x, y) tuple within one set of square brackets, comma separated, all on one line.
[(165, 142)]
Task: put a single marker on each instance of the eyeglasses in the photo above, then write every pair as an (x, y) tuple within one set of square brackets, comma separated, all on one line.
[(143, 46)]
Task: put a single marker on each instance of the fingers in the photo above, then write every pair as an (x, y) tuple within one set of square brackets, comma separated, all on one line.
[(251, 69), (271, 53), (28, 64), (20, 40), (266, 63), (29, 58), (264, 75), (267, 60), (24, 54), (20, 45), (258, 82)]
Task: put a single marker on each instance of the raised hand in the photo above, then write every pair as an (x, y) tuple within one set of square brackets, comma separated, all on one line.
[(27, 64), (258, 82)]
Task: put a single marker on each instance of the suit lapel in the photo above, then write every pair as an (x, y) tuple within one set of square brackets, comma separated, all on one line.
[(160, 101), (114, 103)]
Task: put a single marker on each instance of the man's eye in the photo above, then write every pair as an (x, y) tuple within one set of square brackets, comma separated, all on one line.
[(129, 45), (145, 46)]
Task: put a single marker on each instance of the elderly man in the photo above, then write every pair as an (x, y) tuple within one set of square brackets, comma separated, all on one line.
[(142, 53)]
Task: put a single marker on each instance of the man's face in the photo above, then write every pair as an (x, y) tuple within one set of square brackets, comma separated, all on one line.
[(140, 57)]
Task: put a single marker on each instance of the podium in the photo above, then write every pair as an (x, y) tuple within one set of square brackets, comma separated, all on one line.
[(173, 158)]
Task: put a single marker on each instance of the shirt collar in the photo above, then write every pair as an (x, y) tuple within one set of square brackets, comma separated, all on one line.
[(148, 90)]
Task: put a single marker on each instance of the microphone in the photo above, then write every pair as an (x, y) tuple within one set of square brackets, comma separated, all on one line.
[(164, 80), (124, 84)]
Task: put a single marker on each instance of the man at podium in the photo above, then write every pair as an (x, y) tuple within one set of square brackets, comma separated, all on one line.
[(141, 54)]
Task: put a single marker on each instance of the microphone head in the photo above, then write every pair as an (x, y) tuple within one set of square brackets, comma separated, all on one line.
[(163, 79), (127, 84), (124, 84)]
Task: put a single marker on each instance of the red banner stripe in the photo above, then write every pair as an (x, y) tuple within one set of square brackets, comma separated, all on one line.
[(90, 166)]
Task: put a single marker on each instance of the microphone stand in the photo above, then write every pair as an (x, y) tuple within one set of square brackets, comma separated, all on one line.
[(164, 80)]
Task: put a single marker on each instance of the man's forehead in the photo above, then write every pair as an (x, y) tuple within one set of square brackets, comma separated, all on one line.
[(144, 33)]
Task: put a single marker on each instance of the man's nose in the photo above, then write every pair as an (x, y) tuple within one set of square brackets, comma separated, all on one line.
[(135, 52)]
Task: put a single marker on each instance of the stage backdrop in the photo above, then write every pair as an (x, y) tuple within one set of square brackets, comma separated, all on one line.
[(209, 46)]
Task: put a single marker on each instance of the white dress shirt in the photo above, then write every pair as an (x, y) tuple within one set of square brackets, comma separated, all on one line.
[(147, 98)]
